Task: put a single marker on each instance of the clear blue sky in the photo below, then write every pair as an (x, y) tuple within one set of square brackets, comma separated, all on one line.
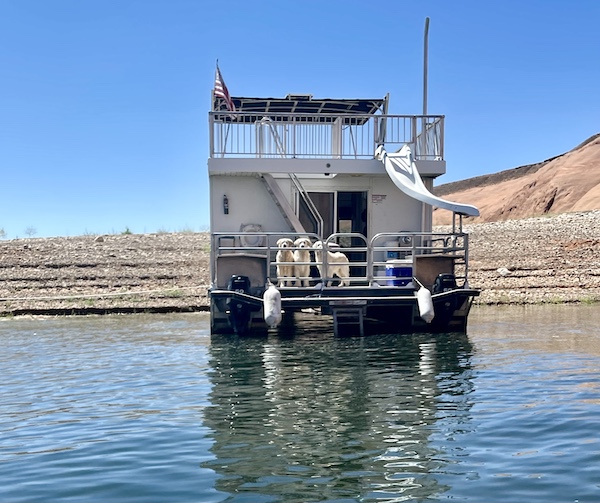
[(104, 103)]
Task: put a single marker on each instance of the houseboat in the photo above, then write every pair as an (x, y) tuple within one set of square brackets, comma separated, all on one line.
[(325, 206)]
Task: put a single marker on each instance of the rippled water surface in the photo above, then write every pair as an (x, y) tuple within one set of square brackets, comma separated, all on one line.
[(150, 408)]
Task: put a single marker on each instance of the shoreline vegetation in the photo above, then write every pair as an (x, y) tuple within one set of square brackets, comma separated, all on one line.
[(551, 259)]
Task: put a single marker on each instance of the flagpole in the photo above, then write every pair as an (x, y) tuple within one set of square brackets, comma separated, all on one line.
[(426, 215), (220, 90)]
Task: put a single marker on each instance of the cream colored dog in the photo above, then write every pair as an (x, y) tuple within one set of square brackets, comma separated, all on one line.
[(302, 261), (337, 264), (285, 261)]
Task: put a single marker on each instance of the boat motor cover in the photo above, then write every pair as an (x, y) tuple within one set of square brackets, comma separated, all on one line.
[(444, 282), (239, 284)]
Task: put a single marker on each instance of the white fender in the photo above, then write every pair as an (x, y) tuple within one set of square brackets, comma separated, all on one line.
[(272, 306), (425, 304)]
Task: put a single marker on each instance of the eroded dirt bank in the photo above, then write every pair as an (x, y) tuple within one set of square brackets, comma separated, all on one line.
[(113, 273)]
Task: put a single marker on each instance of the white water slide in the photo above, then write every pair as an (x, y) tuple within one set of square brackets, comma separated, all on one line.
[(401, 168)]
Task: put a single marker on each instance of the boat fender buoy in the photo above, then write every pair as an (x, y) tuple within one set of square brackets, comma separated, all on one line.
[(272, 305), (425, 304)]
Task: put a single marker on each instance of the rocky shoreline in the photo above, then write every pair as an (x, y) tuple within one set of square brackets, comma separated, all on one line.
[(553, 259), (122, 273)]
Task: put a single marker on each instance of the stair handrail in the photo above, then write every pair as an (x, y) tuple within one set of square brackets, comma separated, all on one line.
[(266, 121), (314, 212)]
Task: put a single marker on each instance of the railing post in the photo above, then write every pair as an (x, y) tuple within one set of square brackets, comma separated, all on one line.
[(211, 129), (413, 134), (293, 136), (442, 121), (336, 140)]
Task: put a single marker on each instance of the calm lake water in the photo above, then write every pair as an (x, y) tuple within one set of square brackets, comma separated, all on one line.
[(148, 408)]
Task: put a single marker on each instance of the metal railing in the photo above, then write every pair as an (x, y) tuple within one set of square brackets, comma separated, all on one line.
[(326, 136), (369, 260)]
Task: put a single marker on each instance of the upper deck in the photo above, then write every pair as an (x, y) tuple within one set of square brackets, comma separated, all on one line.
[(300, 127)]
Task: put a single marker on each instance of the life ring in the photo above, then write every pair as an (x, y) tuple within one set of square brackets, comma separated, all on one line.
[(252, 241)]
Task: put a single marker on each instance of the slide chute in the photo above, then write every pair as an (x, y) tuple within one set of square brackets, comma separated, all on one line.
[(401, 168)]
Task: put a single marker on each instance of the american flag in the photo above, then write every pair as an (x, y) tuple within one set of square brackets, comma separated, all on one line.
[(221, 91)]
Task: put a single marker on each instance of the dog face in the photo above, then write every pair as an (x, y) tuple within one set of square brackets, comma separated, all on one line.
[(303, 243), (285, 243), (330, 246)]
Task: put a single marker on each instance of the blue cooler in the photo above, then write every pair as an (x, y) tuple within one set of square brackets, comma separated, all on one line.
[(392, 254), (400, 272)]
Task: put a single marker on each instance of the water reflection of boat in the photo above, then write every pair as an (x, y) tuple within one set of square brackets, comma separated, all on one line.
[(315, 418), (347, 174)]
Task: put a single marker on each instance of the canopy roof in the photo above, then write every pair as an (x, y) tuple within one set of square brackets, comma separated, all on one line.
[(318, 109)]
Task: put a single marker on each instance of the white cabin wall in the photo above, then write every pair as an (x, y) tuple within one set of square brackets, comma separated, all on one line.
[(391, 210), (249, 203)]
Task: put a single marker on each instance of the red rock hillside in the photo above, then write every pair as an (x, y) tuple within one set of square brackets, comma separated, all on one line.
[(566, 183)]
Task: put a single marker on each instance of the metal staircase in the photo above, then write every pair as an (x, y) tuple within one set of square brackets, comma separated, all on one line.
[(286, 210)]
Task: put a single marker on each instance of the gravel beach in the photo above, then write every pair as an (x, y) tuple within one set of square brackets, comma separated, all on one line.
[(551, 259)]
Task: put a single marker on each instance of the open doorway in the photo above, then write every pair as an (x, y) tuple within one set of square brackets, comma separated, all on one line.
[(342, 211), (352, 217), (352, 212)]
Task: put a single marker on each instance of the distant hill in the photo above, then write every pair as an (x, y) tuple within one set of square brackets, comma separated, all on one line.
[(565, 183)]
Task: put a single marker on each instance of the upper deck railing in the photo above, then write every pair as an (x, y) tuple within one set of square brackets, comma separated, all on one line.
[(323, 136)]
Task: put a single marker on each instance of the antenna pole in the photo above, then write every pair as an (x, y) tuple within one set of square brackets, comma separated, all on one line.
[(425, 63)]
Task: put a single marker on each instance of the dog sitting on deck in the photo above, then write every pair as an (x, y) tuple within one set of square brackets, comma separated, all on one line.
[(302, 261), (285, 261), (337, 264)]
